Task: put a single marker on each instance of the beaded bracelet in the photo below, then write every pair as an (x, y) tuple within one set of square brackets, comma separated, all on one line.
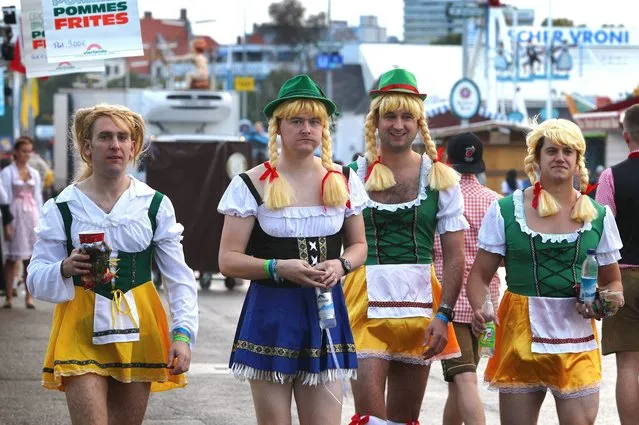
[(442, 317), (267, 267), (62, 270)]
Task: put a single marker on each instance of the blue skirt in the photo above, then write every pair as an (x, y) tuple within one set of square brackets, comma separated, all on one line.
[(278, 337)]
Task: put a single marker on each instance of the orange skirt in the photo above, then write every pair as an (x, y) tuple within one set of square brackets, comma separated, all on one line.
[(71, 351), (398, 339), (515, 368)]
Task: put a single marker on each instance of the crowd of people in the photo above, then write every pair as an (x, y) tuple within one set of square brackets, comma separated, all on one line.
[(402, 248)]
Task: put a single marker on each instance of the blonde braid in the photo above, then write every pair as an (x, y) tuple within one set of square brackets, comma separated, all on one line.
[(335, 192), (381, 177), (278, 192), (583, 210), (441, 176)]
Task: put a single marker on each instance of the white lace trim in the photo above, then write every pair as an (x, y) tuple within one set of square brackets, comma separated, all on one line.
[(243, 373), (427, 163), (403, 358), (520, 216), (531, 388)]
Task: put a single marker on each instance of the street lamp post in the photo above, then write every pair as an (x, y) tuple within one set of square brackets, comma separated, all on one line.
[(329, 73)]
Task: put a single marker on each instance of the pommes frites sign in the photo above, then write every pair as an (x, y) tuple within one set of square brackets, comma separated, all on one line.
[(82, 30), (34, 47)]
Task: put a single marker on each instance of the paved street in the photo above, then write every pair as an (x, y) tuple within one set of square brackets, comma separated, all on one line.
[(213, 397)]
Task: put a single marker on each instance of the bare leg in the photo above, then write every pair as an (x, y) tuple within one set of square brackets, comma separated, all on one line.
[(520, 409), (452, 415), (28, 299), (406, 386), (272, 402), (368, 388), (9, 272), (87, 399), (579, 410), (319, 405), (467, 406), (628, 387), (127, 402)]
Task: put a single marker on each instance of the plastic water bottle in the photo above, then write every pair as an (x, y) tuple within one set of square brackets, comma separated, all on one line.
[(325, 308), (487, 337), (589, 270)]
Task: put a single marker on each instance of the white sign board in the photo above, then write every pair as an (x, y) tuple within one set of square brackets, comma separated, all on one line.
[(34, 50), (465, 99), (83, 30)]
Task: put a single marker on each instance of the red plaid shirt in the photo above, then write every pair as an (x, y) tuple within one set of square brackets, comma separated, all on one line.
[(477, 199)]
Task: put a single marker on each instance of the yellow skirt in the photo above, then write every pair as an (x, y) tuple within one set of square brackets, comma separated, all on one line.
[(72, 353), (515, 368), (398, 339)]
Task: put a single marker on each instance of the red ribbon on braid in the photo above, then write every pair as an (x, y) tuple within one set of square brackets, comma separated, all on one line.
[(590, 188), (359, 420), (370, 167), (270, 173), (348, 203), (440, 154), (536, 193)]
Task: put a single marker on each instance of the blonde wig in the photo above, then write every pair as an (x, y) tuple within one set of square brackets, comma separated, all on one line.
[(82, 132), (379, 176), (278, 192), (565, 133)]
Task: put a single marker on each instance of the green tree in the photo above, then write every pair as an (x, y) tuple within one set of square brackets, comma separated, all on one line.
[(136, 81), (289, 24), (453, 39), (265, 91), (48, 88), (559, 22)]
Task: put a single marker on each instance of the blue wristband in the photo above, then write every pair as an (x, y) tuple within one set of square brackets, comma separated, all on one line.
[(182, 331), (442, 317)]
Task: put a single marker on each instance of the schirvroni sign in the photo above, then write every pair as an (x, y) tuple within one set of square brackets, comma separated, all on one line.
[(577, 36)]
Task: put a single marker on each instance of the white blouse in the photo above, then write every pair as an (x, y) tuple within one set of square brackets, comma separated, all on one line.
[(450, 204), (127, 228), (293, 221), (492, 236)]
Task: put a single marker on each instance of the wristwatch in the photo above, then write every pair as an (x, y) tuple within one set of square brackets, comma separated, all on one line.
[(346, 265), (447, 311)]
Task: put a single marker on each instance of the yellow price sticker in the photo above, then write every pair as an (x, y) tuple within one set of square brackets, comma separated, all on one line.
[(244, 83)]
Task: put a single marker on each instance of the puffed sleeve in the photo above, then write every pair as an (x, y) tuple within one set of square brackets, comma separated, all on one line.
[(358, 196), (179, 278), (44, 280), (450, 214), (238, 200), (492, 233), (610, 242)]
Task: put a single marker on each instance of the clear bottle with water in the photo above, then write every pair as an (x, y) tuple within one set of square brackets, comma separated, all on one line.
[(325, 308), (487, 337), (589, 270)]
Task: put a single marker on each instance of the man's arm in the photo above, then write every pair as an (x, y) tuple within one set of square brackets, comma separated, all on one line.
[(453, 255), (606, 190)]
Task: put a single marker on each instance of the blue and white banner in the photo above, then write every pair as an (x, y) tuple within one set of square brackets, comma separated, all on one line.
[(576, 36)]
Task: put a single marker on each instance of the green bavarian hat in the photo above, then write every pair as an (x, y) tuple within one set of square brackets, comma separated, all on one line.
[(300, 87), (397, 80)]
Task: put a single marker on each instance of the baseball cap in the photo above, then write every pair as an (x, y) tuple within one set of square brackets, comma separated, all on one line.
[(465, 154)]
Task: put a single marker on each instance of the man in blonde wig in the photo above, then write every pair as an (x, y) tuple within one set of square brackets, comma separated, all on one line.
[(400, 319), (546, 340)]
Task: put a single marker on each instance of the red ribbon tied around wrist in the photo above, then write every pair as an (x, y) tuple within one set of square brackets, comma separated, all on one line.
[(270, 173), (348, 203), (590, 188), (370, 167), (536, 193)]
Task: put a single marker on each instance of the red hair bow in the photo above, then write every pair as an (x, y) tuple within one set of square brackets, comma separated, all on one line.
[(270, 173), (440, 154), (590, 188), (536, 193), (370, 167), (348, 203), (359, 420)]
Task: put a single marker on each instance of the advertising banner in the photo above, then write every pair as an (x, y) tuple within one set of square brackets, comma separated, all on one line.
[(34, 50), (82, 30), (576, 36)]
